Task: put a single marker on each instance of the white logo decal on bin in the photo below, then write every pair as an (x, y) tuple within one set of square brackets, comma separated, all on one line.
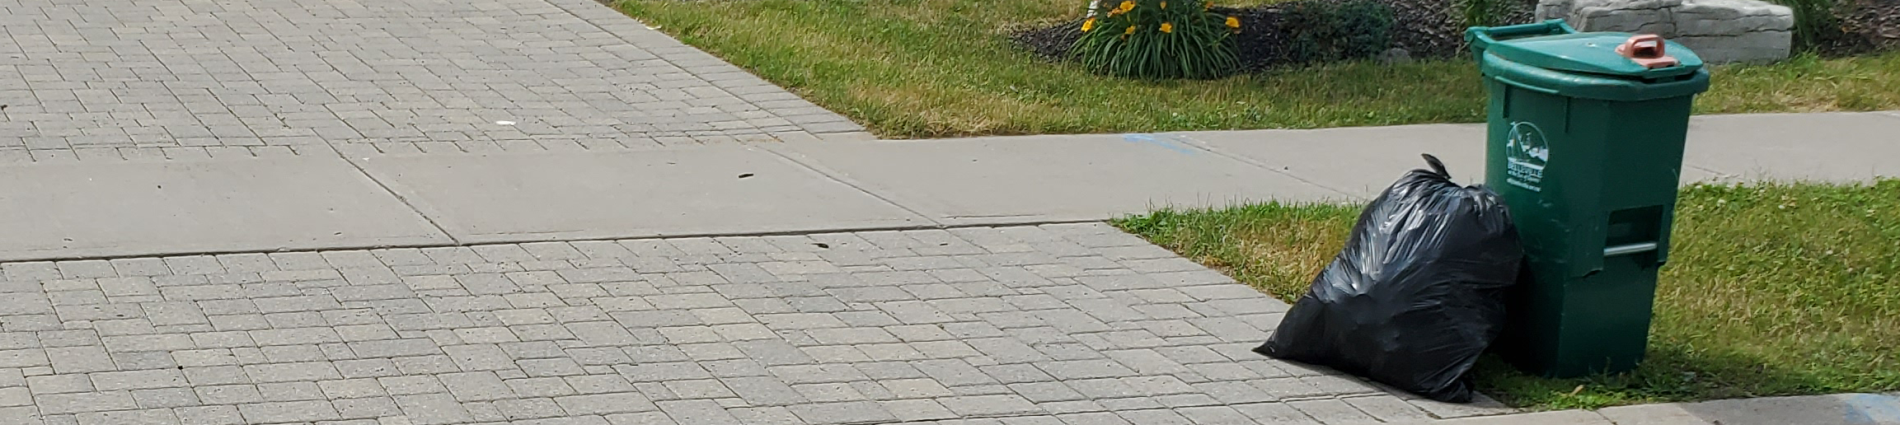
[(1525, 152)]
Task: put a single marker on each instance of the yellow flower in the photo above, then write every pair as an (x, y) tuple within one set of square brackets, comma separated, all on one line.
[(1233, 22), (1167, 27), (1088, 25), (1127, 5), (1164, 5), (1207, 5), (1131, 30)]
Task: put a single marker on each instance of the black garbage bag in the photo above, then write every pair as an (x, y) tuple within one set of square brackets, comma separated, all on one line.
[(1418, 292)]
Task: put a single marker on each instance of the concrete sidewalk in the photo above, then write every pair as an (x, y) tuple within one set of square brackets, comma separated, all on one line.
[(123, 208), (1835, 409)]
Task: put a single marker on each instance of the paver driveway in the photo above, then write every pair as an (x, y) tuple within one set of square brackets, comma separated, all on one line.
[(1077, 323), (85, 79), (1039, 324)]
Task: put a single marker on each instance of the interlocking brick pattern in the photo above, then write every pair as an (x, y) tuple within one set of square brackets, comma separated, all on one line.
[(1070, 323), (196, 79)]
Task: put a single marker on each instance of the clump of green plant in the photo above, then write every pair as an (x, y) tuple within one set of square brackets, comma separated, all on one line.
[(1153, 39), (1481, 13), (1336, 30), (1816, 22)]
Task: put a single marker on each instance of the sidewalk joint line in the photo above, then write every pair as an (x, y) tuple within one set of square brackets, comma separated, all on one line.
[(405, 200), (458, 243), (829, 175), (1204, 146)]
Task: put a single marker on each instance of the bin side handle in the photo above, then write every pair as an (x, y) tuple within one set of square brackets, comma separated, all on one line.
[(1628, 249), (1521, 85)]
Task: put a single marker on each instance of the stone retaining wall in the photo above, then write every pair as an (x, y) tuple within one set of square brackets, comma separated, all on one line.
[(1719, 31)]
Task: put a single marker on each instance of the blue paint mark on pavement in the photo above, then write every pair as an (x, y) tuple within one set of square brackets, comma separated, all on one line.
[(1871, 409), (1163, 143)]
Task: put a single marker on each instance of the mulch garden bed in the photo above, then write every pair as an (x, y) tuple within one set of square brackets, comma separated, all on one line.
[(1423, 28), (1867, 25)]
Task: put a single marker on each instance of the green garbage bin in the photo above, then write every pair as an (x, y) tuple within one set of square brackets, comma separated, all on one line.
[(1585, 146)]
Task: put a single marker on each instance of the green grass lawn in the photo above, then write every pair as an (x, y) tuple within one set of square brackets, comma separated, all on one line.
[(1770, 290), (944, 68)]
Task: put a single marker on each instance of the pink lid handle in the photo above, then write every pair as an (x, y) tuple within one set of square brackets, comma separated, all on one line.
[(1646, 50)]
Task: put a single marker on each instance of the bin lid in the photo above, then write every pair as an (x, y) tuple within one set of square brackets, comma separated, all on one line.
[(1601, 53)]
